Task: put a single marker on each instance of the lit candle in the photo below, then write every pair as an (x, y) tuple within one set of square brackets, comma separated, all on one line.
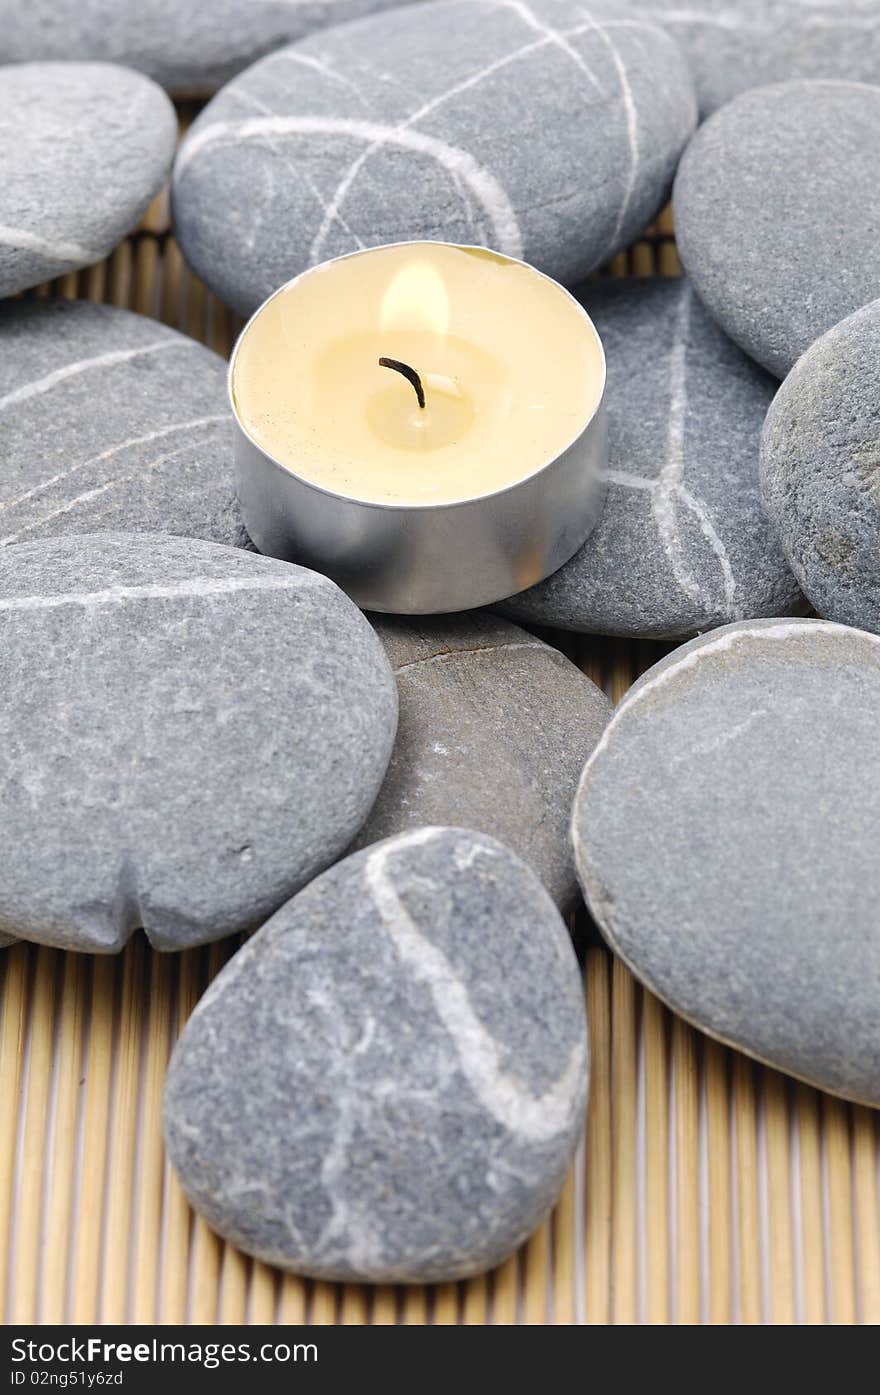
[(422, 422)]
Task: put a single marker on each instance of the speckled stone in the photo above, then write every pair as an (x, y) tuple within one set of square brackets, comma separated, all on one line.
[(189, 734), (733, 45), (777, 205), (387, 1083), (683, 543), (189, 46), (547, 131), (109, 420), (494, 730), (85, 148), (820, 465), (726, 832)]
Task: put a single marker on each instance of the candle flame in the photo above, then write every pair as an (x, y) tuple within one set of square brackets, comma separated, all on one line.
[(416, 299)]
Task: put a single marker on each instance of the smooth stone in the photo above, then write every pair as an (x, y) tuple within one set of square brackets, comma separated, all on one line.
[(388, 1082), (726, 832), (777, 205), (683, 543), (86, 146), (109, 420), (494, 730), (732, 47), (190, 733), (543, 131), (820, 464), (189, 46)]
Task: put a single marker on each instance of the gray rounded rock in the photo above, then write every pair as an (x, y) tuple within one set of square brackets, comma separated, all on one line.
[(820, 463), (683, 543), (189, 46), (543, 131), (109, 420), (189, 733), (86, 146), (494, 730), (777, 205), (387, 1083), (734, 46), (726, 832)]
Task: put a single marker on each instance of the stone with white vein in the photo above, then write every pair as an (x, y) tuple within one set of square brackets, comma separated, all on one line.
[(683, 543), (109, 420), (387, 1083), (726, 832), (546, 130), (189, 733), (189, 46), (736, 44), (777, 205), (820, 465), (494, 730), (86, 146)]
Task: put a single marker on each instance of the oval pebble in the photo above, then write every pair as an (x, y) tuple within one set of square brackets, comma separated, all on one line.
[(69, 130), (190, 733), (777, 205), (110, 421), (543, 131), (820, 463), (726, 832), (494, 729), (387, 1083), (189, 46), (683, 543), (734, 46)]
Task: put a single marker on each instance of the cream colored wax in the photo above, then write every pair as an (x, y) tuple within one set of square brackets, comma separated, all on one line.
[(511, 367)]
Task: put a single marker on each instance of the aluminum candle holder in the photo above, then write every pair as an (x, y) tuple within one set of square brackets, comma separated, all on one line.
[(428, 557)]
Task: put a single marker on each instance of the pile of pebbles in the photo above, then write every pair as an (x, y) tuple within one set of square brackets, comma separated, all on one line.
[(388, 1081)]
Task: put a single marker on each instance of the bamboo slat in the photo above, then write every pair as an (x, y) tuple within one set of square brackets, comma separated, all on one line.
[(707, 1189)]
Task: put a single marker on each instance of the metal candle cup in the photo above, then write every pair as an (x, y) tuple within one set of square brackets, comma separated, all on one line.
[(428, 557)]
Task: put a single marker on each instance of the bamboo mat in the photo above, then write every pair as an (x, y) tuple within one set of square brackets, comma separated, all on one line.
[(707, 1189)]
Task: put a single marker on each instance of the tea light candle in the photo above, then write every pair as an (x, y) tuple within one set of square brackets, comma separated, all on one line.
[(423, 422)]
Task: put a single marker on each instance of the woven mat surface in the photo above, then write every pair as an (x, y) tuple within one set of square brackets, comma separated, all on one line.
[(707, 1189)]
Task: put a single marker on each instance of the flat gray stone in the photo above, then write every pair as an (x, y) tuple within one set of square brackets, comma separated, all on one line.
[(494, 730), (110, 421), (733, 45), (820, 462), (86, 146), (683, 543), (387, 1083), (544, 131), (726, 832), (777, 205), (189, 734), (189, 46)]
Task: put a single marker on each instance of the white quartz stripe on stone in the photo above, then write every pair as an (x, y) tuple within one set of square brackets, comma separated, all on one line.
[(534, 1119), (24, 241), (210, 586), (87, 365), (459, 163)]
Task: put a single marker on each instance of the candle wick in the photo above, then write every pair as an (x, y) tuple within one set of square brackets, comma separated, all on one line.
[(409, 373)]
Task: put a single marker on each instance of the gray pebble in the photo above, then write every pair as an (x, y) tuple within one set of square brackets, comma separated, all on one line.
[(683, 543), (86, 146), (734, 46), (494, 729), (820, 463), (387, 1083), (726, 832), (109, 420), (189, 46), (777, 205), (189, 733), (546, 131)]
